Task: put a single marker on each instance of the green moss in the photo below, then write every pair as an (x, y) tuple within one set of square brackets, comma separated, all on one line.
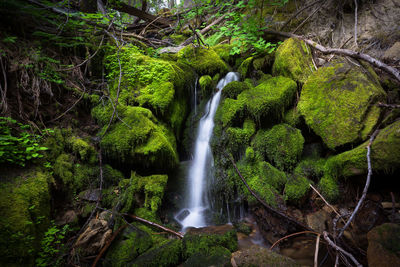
[(237, 138), (245, 67), (168, 254), (269, 99), (384, 155), (223, 51), (264, 63), (204, 243), (177, 116), (335, 102), (296, 189), (312, 168), (293, 59), (329, 188), (218, 257), (85, 151), (140, 140), (230, 111), (282, 145), (130, 244), (233, 89), (177, 38), (204, 61), (206, 85), (25, 209), (292, 117), (157, 96)]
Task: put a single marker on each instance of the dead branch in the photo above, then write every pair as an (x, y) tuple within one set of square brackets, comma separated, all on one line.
[(344, 52), (203, 31), (316, 251), (387, 105), (297, 13), (180, 235), (330, 242), (355, 22), (326, 202), (280, 214), (294, 234), (364, 193)]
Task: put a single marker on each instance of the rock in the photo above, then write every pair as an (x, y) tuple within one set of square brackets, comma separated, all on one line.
[(260, 256), (67, 217), (90, 195), (233, 89), (293, 60), (93, 238), (170, 49), (338, 103), (167, 254), (393, 53), (216, 257), (319, 220), (246, 67), (384, 246), (206, 86)]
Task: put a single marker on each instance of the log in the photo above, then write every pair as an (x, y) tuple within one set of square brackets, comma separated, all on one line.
[(344, 52), (122, 7)]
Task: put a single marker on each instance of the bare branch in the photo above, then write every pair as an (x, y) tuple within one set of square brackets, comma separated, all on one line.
[(330, 242)]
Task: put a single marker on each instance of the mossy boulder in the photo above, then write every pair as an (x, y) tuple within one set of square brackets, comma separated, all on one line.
[(264, 63), (129, 245), (165, 255), (338, 103), (293, 59), (206, 85), (385, 155), (25, 213), (223, 51), (296, 189), (140, 140), (246, 67), (312, 168), (204, 61), (329, 188), (282, 145), (237, 138), (230, 112), (233, 89), (218, 256), (269, 99), (292, 117)]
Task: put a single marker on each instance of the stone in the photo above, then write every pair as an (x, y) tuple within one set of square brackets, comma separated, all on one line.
[(260, 256), (384, 246), (393, 53), (318, 220), (67, 218), (93, 238)]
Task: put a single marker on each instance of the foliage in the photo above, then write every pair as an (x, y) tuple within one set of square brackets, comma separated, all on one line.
[(51, 246), (17, 145)]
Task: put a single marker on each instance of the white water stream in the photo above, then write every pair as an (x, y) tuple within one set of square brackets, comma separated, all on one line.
[(193, 214)]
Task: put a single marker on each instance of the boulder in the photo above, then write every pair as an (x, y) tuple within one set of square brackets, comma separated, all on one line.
[(393, 53), (338, 103), (167, 254), (384, 246), (293, 59)]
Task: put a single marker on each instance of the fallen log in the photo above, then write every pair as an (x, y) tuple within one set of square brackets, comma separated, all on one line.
[(344, 52)]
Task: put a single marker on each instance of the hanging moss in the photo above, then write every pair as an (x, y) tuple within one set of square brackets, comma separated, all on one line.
[(204, 61), (329, 188), (206, 85), (293, 59), (336, 102), (245, 67), (140, 140), (296, 189), (25, 210), (269, 99), (282, 145), (233, 89)]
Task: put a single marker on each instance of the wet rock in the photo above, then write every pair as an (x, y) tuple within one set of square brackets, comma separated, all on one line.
[(90, 195), (384, 246), (93, 238), (393, 53), (319, 220), (217, 257), (259, 256), (168, 254)]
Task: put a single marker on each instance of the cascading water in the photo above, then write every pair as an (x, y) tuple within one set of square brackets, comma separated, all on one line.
[(201, 164)]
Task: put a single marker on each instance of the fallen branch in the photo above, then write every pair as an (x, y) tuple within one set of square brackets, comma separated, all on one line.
[(316, 251), (330, 242), (180, 235), (388, 105), (293, 221), (203, 31), (344, 52), (294, 234), (326, 202)]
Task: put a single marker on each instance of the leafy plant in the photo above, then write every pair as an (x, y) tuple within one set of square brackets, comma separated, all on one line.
[(17, 145)]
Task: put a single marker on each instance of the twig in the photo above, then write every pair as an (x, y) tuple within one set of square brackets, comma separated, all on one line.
[(344, 52), (364, 193), (316, 251), (294, 234), (340, 249), (326, 202), (149, 24), (203, 31), (298, 12), (355, 22), (304, 21), (330, 58), (387, 105)]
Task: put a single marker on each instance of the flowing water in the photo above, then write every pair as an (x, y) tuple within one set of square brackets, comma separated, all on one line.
[(200, 169)]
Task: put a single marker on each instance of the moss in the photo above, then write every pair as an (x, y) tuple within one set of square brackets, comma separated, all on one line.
[(157, 96), (25, 209), (269, 99), (230, 111), (204, 61), (312, 168), (264, 63), (293, 60), (292, 117), (206, 85), (168, 254), (130, 244), (218, 257), (384, 155), (296, 189), (177, 38), (233, 89), (85, 151), (223, 51), (140, 140), (282, 145), (335, 102), (245, 67), (237, 138), (177, 116), (329, 188), (204, 243)]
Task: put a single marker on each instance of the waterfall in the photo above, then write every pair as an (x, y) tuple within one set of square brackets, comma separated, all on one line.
[(200, 169)]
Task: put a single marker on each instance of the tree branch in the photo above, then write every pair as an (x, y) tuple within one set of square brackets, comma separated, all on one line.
[(203, 31)]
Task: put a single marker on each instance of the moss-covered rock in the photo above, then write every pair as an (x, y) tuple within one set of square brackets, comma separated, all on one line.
[(269, 99), (329, 188), (293, 59), (25, 214), (282, 145), (223, 51), (230, 112), (218, 256), (165, 255), (337, 102), (296, 189), (206, 85), (204, 61), (246, 67), (264, 63), (140, 140), (238, 138), (312, 168), (129, 245), (384, 155), (384, 245), (292, 117), (233, 89)]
